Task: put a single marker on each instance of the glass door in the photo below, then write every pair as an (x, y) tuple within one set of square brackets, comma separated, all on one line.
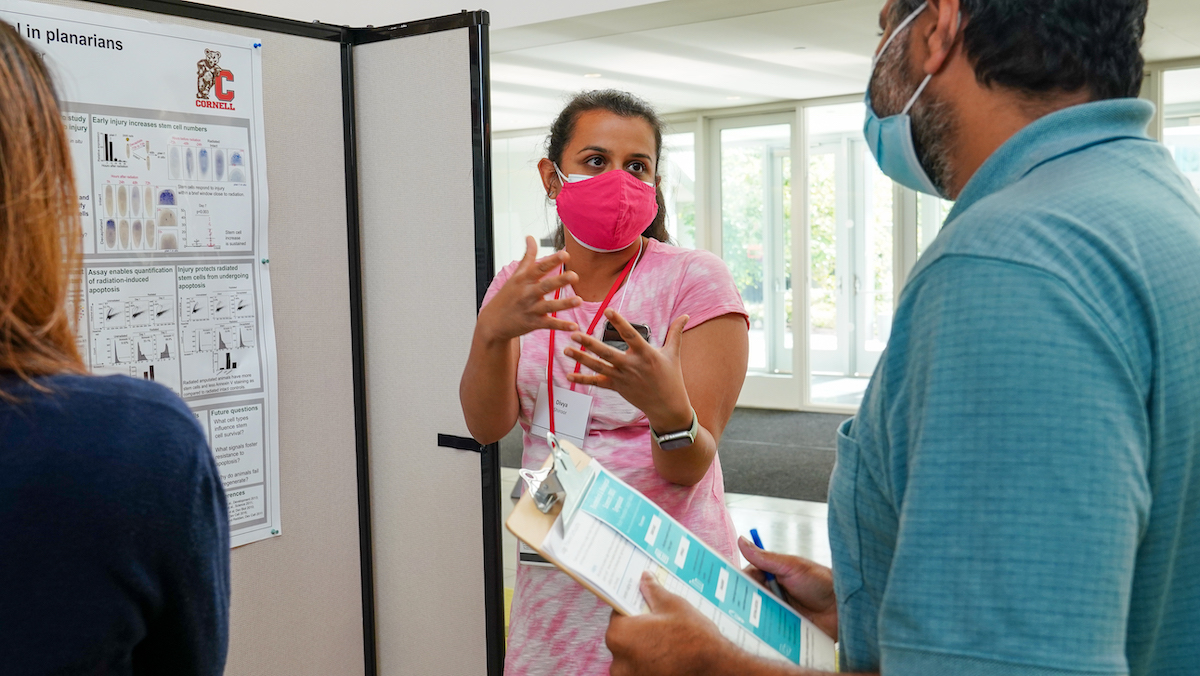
[(850, 256), (677, 168), (873, 278), (755, 173)]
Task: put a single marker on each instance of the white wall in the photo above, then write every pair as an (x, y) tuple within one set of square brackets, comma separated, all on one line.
[(358, 13)]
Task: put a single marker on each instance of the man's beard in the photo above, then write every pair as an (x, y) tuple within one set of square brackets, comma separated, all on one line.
[(932, 119)]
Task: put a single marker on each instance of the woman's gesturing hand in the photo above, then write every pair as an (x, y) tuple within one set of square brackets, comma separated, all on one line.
[(648, 378), (521, 305)]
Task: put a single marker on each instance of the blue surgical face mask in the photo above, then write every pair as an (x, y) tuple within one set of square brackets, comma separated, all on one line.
[(891, 138)]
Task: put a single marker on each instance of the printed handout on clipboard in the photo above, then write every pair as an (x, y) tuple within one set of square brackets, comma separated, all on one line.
[(604, 534)]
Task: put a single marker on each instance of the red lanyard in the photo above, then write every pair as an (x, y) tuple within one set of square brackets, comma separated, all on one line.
[(595, 320)]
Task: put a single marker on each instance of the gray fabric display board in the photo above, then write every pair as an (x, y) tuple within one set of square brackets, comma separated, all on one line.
[(380, 228)]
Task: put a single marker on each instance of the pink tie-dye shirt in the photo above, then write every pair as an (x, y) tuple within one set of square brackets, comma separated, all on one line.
[(557, 627)]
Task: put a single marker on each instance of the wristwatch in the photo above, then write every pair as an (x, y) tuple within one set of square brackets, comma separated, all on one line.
[(673, 440)]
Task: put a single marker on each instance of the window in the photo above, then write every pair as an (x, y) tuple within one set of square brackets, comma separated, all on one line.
[(678, 171), (821, 310), (850, 256), (1181, 120), (931, 215), (756, 234), (519, 201)]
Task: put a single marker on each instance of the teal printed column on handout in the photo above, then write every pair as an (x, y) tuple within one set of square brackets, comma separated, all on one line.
[(662, 538)]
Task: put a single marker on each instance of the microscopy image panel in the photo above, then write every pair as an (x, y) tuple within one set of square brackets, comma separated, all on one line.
[(166, 197), (175, 163), (135, 200), (237, 158), (123, 233), (168, 241), (151, 233), (135, 233), (203, 161), (110, 233), (237, 175), (167, 218), (122, 201), (109, 203), (189, 162), (149, 195), (218, 164)]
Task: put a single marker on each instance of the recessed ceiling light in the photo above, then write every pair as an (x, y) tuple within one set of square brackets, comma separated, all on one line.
[(800, 47), (592, 75), (733, 98)]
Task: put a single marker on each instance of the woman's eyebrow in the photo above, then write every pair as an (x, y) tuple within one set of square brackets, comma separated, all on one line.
[(606, 151)]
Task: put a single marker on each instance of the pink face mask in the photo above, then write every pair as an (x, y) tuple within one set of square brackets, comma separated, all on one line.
[(606, 213)]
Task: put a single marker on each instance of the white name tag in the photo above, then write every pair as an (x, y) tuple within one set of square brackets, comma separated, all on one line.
[(572, 411)]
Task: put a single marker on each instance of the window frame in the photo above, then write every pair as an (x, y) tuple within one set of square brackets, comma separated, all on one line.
[(1152, 89), (791, 392)]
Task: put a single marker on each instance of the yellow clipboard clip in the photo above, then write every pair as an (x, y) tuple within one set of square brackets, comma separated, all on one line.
[(561, 483)]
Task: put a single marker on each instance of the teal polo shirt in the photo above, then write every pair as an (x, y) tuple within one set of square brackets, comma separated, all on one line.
[(1020, 492)]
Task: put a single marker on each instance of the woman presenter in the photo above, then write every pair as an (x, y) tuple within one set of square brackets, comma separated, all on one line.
[(644, 346)]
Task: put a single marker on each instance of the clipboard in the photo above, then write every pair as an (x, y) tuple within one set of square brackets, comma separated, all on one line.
[(531, 526), (575, 504)]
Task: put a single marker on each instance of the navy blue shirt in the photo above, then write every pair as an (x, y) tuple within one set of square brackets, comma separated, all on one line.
[(114, 535)]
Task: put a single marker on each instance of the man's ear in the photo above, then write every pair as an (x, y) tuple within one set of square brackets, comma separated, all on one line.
[(550, 180), (941, 37)]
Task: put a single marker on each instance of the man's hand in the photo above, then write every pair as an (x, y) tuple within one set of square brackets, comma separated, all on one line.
[(808, 585), (673, 638)]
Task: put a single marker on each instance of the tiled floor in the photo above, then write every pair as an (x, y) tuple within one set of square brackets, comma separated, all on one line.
[(838, 390), (790, 526)]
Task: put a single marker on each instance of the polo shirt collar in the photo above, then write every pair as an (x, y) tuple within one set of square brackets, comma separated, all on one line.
[(1059, 133)]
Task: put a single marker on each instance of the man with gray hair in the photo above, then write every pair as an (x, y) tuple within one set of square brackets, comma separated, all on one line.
[(1019, 494)]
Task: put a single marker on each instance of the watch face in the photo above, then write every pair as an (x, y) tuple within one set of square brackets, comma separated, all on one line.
[(673, 444)]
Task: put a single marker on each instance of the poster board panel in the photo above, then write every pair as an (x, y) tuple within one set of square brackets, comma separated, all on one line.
[(418, 242), (297, 598), (173, 200)]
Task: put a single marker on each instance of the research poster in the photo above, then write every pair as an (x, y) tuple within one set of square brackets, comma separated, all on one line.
[(165, 125)]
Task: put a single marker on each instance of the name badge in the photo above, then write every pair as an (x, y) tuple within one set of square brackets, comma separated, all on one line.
[(572, 412)]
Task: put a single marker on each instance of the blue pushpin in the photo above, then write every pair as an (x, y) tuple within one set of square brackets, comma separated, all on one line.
[(772, 583)]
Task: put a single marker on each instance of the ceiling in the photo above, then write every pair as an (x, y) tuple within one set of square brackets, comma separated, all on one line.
[(686, 55), (504, 13), (682, 55)]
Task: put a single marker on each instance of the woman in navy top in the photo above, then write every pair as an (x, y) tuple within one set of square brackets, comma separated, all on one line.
[(114, 537)]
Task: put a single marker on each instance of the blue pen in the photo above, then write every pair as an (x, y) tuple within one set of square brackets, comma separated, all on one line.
[(772, 584)]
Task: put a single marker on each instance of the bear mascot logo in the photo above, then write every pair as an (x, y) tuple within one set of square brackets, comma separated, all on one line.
[(208, 70)]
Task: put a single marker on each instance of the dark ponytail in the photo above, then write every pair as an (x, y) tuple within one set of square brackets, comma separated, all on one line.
[(619, 103)]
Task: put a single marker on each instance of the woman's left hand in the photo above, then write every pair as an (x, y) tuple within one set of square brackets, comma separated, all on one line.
[(650, 379)]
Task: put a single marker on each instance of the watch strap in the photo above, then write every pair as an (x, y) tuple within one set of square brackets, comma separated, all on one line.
[(672, 440)]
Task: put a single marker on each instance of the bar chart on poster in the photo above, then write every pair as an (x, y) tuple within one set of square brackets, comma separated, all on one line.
[(165, 129)]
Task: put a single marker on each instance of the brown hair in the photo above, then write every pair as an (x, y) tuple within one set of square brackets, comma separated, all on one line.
[(40, 237), (619, 103)]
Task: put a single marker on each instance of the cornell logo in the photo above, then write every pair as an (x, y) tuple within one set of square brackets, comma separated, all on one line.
[(210, 77)]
